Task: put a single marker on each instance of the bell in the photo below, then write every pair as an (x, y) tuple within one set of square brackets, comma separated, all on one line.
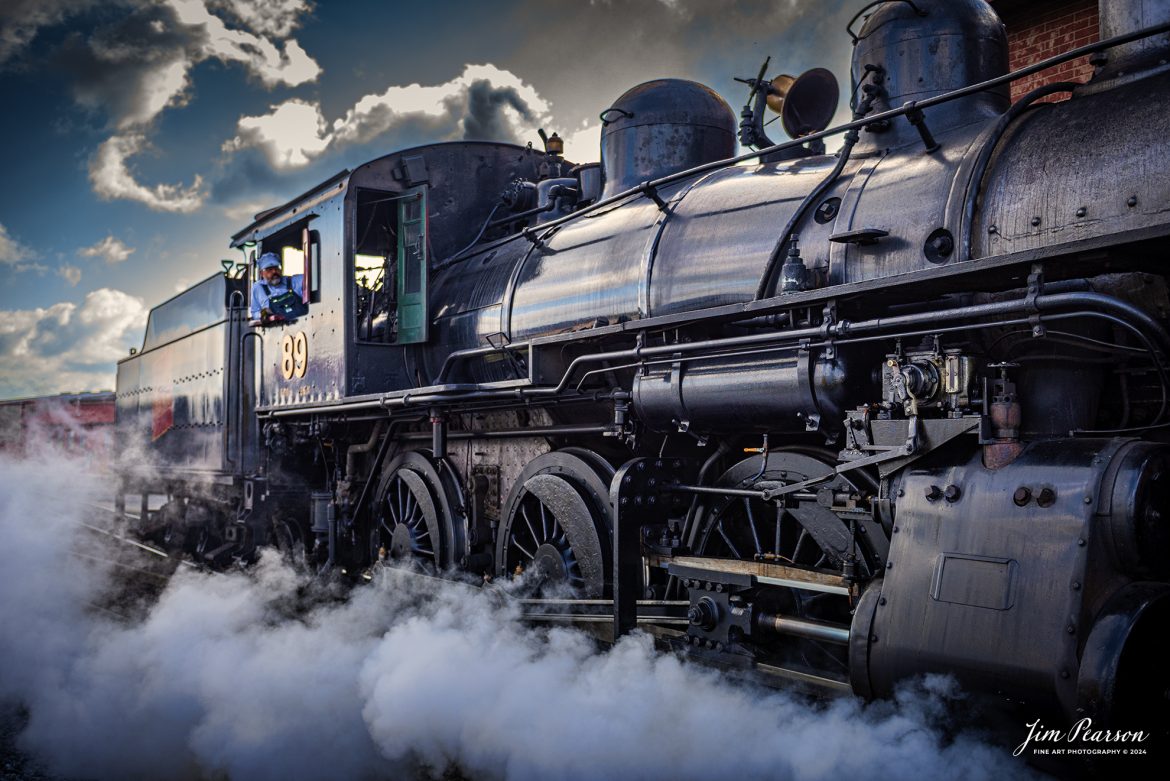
[(555, 145), (806, 104), (780, 86)]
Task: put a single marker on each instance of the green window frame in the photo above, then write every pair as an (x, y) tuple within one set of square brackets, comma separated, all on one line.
[(413, 317)]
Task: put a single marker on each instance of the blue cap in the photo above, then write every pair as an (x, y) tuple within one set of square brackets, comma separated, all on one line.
[(269, 260)]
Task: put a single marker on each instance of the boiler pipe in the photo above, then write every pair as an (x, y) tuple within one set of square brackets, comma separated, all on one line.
[(1052, 302)]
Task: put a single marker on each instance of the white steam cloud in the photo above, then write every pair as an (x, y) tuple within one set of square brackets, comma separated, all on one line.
[(243, 676)]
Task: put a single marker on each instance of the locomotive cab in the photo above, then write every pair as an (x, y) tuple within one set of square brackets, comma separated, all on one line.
[(300, 357), (366, 241)]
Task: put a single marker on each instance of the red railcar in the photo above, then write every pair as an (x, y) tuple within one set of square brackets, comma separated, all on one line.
[(80, 424)]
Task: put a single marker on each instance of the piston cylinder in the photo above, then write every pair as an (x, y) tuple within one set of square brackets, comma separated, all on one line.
[(791, 393)]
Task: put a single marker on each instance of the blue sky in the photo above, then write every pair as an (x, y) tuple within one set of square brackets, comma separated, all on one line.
[(139, 134)]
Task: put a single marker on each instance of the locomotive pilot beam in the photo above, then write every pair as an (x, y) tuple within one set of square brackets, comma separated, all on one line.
[(896, 410)]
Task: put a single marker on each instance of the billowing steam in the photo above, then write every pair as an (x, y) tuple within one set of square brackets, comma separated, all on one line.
[(258, 675)]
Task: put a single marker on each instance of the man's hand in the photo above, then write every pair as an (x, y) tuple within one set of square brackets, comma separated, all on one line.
[(267, 318)]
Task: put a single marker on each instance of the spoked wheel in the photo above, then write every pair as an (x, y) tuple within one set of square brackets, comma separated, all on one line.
[(166, 526), (174, 538), (803, 534), (188, 529), (289, 539), (415, 521), (557, 523)]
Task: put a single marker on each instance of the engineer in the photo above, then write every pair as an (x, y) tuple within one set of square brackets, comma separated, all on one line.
[(276, 298)]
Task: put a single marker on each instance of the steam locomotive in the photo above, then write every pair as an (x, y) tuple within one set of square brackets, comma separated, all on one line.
[(840, 418)]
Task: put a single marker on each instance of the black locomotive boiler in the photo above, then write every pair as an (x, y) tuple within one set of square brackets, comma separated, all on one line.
[(842, 418)]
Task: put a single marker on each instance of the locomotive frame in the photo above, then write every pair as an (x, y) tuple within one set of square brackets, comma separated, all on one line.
[(918, 426)]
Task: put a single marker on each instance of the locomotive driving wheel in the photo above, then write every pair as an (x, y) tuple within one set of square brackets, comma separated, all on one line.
[(800, 532), (415, 523), (289, 538), (557, 523)]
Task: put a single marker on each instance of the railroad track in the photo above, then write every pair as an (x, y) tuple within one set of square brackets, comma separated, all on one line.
[(144, 570), (138, 571)]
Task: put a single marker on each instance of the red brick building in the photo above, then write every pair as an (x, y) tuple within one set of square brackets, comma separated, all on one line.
[(1038, 29)]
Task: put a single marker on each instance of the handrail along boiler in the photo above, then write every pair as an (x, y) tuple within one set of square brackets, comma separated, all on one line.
[(841, 418)]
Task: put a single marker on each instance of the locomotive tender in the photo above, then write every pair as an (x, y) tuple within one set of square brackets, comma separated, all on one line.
[(842, 418)]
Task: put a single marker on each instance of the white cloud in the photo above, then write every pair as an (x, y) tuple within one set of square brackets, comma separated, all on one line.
[(677, 6), (247, 210), (11, 250), (373, 115), (130, 70), (112, 178), (275, 18), (138, 65), (39, 268), (71, 274), (292, 135), (159, 88), (109, 249), (68, 347), (583, 145), (16, 255), (482, 102), (257, 53)]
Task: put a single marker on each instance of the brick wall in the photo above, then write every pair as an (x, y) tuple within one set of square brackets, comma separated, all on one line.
[(1038, 29)]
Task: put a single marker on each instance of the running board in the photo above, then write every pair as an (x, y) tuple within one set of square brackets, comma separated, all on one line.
[(762, 572)]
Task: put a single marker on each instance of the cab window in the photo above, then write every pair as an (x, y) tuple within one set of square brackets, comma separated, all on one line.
[(374, 262), (299, 249), (390, 266)]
